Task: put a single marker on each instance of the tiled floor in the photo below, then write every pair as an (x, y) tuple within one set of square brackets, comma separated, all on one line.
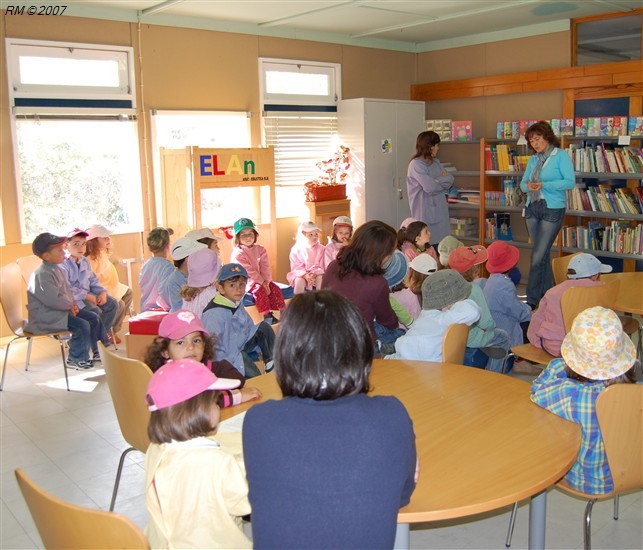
[(69, 443)]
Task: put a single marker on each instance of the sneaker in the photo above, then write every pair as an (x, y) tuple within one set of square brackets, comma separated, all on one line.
[(96, 357), (387, 349), (79, 365), (270, 319), (269, 365)]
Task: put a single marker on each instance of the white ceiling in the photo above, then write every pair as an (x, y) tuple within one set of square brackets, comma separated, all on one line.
[(405, 25)]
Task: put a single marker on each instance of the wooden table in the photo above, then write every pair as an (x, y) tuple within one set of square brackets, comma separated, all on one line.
[(630, 291), (482, 443)]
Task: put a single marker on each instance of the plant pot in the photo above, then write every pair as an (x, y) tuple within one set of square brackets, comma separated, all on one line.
[(328, 193)]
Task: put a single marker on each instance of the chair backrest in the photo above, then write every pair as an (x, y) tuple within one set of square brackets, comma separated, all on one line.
[(559, 267), (64, 525), (28, 264), (454, 343), (11, 290), (579, 298), (127, 380), (619, 409)]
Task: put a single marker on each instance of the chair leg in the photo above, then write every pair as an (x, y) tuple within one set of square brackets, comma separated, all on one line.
[(62, 354), (114, 340), (504, 363), (4, 366), (30, 341), (118, 476), (587, 533), (615, 516), (512, 523)]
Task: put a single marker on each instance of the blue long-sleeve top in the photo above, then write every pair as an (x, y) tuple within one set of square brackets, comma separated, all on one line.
[(82, 280), (557, 175), (506, 309), (169, 291)]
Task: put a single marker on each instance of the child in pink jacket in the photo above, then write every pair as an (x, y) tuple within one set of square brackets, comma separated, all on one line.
[(254, 258), (342, 233), (306, 259)]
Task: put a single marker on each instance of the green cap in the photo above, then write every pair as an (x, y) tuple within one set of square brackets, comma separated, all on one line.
[(243, 223)]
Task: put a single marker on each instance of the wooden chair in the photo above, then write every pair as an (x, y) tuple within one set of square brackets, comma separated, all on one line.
[(64, 525), (619, 409), (11, 290), (127, 380), (574, 300), (559, 267), (454, 343), (28, 264)]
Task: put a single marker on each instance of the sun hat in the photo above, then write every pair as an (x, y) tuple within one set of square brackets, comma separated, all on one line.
[(75, 232), (446, 246), (203, 233), (178, 381), (179, 324), (502, 257), (44, 241), (464, 258), (230, 271), (396, 269), (185, 246), (407, 222), (342, 220), (308, 227), (444, 288), (596, 347), (424, 263), (243, 223), (97, 230), (203, 268), (586, 265)]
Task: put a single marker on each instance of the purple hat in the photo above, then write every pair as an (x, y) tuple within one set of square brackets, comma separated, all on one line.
[(178, 381), (203, 268)]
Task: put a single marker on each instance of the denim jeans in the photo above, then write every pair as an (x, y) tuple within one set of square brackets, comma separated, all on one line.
[(80, 338), (107, 313), (95, 327), (264, 339), (543, 225)]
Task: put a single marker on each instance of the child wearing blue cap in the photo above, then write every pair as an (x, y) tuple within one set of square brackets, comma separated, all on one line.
[(237, 334)]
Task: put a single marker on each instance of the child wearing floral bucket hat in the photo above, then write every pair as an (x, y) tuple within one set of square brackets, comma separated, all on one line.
[(596, 353), (195, 484), (254, 258)]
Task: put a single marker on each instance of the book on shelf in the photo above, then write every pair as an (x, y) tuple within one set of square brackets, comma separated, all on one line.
[(604, 198), (503, 158), (620, 237), (462, 130), (635, 126), (606, 158), (498, 226), (465, 196), (464, 227)]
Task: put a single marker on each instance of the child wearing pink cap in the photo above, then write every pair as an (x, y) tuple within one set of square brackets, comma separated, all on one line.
[(196, 489), (183, 336), (414, 238), (306, 259), (509, 313), (203, 269), (342, 234), (596, 353)]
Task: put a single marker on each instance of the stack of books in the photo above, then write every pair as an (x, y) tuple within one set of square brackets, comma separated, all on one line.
[(464, 227), (604, 198)]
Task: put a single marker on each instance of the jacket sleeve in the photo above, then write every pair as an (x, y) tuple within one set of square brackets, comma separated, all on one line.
[(77, 292), (400, 311), (48, 289), (384, 313), (563, 169), (465, 312), (527, 175), (240, 256), (264, 265), (419, 173), (297, 264)]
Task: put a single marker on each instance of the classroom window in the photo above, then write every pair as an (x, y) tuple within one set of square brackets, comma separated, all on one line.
[(299, 104), (75, 136), (610, 39)]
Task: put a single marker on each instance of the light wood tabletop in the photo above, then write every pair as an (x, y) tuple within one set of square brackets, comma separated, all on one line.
[(630, 292), (482, 443)]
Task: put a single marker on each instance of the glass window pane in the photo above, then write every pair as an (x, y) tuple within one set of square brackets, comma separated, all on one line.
[(608, 40), (75, 173), (222, 207), (179, 130), (69, 72), (282, 82)]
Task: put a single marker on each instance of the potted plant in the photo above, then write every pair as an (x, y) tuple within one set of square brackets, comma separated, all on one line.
[(329, 184)]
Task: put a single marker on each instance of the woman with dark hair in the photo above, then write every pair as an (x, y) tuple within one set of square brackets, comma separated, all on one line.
[(358, 274), (327, 466), (427, 183), (548, 175)]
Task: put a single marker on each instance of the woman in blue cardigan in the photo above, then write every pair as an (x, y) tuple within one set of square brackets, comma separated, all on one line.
[(548, 175)]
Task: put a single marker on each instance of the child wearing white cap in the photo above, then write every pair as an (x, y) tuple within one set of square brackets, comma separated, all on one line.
[(342, 234), (196, 489), (547, 329), (306, 259), (595, 354)]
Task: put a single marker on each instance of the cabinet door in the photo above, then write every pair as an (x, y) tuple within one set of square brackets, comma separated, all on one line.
[(380, 162)]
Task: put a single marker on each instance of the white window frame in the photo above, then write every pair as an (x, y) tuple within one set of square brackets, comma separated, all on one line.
[(124, 93)]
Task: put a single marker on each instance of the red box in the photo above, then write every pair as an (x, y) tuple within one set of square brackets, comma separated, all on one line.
[(146, 323)]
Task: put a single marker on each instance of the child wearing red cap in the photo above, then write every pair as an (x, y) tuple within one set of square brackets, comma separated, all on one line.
[(183, 336), (506, 309), (196, 489)]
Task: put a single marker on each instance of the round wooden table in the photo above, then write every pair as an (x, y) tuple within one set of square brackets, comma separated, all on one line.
[(481, 442)]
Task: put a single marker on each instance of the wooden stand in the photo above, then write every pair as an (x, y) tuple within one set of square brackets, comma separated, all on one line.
[(323, 213)]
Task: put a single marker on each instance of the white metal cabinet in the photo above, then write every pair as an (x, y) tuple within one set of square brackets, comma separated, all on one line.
[(381, 134)]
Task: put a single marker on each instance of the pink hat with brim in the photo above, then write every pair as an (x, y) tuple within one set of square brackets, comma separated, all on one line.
[(596, 347), (502, 257), (407, 222), (178, 381), (97, 230), (179, 324)]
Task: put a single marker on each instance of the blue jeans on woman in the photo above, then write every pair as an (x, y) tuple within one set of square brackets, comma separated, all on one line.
[(543, 225)]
